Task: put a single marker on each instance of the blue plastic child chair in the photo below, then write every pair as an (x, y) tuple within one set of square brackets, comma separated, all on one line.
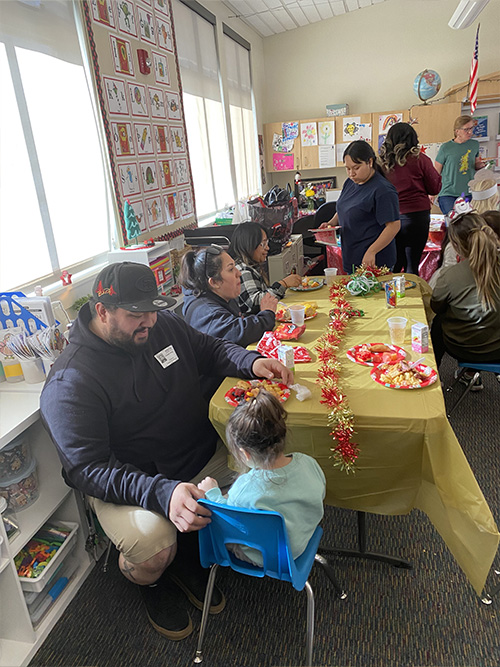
[(462, 367), (265, 531)]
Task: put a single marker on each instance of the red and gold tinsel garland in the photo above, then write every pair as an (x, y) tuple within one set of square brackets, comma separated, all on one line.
[(340, 417)]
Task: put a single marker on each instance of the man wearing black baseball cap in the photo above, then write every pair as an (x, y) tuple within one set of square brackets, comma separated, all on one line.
[(124, 407)]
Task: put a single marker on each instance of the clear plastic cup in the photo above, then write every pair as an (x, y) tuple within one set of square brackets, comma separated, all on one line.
[(297, 314), (397, 329), (330, 274)]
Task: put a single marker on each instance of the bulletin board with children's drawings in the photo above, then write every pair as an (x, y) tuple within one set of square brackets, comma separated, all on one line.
[(136, 74)]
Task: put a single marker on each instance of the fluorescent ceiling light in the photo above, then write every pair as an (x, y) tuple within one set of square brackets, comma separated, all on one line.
[(466, 13)]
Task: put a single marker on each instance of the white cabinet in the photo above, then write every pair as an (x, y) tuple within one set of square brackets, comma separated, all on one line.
[(291, 258), (19, 640)]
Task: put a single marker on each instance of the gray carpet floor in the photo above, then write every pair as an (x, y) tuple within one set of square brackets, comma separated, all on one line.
[(392, 617)]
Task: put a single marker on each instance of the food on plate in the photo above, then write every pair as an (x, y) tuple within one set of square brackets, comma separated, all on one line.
[(283, 313), (307, 283), (238, 394), (401, 373), (376, 353)]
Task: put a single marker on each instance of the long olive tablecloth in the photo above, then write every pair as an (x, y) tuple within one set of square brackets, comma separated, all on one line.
[(409, 455)]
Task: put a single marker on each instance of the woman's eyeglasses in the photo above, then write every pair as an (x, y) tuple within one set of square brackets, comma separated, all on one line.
[(264, 244), (211, 250)]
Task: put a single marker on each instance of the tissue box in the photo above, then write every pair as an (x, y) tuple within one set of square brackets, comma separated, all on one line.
[(420, 337)]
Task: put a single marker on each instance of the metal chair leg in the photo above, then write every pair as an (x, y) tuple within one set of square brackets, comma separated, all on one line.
[(204, 616), (328, 570), (310, 624), (467, 389), (106, 559)]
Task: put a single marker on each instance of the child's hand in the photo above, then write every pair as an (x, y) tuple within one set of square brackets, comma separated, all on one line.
[(207, 484)]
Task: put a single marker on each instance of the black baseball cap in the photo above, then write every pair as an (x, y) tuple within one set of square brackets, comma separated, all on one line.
[(130, 286)]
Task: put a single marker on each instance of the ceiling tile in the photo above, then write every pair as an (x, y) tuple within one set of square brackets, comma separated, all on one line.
[(338, 7), (324, 9), (298, 14)]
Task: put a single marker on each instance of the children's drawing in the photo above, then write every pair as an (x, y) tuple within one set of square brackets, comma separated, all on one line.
[(166, 174), (102, 12), (386, 121), (162, 6), (115, 96), (157, 102), (161, 69), (178, 141), (137, 97), (287, 145), (431, 150), (122, 55), (122, 137), (365, 131), (173, 105), (146, 25), (283, 161), (326, 133), (290, 130), (164, 34), (154, 212), (162, 139), (309, 134), (326, 156), (126, 17), (277, 143), (181, 171), (171, 208), (138, 207), (350, 129), (185, 203), (129, 178), (144, 139), (148, 175)]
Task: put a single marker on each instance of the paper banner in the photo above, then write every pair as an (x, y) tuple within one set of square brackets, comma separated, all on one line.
[(386, 121), (282, 162), (327, 157), (326, 133), (290, 130), (350, 128), (309, 134)]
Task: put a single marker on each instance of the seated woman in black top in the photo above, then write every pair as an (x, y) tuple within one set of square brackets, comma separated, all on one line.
[(212, 286)]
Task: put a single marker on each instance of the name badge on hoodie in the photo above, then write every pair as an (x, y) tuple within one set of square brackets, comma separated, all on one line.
[(167, 356)]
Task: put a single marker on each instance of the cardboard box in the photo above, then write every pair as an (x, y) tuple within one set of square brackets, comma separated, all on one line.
[(420, 337)]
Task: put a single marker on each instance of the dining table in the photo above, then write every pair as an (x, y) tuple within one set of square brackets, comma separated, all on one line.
[(409, 457)]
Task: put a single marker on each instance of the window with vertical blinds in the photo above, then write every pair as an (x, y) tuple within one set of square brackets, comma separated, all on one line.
[(203, 109), (243, 130)]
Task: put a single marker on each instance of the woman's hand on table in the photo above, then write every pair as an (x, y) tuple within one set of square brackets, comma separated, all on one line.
[(269, 302), (272, 368), (293, 280)]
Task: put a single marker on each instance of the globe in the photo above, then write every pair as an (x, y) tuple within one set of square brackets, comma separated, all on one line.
[(427, 84)]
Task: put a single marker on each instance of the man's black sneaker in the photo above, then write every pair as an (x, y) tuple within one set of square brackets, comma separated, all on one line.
[(166, 614), (190, 576), (466, 377)]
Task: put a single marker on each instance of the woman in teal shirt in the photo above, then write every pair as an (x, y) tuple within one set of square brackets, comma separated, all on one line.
[(457, 161)]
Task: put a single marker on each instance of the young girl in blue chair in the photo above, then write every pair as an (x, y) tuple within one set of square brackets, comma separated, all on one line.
[(291, 484)]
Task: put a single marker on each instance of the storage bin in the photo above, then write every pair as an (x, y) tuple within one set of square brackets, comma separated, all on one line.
[(15, 458), (8, 519), (22, 491), (37, 584), (44, 601), (33, 597)]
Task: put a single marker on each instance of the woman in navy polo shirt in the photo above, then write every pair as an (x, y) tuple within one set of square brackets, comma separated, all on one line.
[(367, 211)]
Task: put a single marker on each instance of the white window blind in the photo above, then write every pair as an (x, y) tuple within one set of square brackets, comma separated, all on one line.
[(54, 201), (203, 108)]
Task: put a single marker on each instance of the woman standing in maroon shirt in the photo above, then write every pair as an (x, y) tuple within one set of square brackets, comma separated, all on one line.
[(415, 178)]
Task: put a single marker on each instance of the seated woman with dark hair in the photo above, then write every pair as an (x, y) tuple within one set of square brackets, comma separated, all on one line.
[(212, 285), (466, 298), (249, 248)]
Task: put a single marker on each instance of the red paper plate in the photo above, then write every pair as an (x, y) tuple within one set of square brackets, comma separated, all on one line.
[(355, 354), (235, 395), (431, 374), (288, 319)]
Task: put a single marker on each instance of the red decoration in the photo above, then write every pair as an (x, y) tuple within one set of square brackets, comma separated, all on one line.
[(340, 418)]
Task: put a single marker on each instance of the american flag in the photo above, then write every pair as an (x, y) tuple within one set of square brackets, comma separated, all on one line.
[(473, 76)]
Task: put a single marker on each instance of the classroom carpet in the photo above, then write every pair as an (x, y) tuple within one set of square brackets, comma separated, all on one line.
[(427, 616)]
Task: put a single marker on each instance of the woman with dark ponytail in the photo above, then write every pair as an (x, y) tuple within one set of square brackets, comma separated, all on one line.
[(415, 178), (466, 298), (367, 211), (211, 283)]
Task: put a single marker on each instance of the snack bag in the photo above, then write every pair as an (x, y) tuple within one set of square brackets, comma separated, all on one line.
[(289, 331)]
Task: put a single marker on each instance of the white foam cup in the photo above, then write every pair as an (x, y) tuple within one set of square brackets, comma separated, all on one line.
[(297, 314), (330, 274)]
